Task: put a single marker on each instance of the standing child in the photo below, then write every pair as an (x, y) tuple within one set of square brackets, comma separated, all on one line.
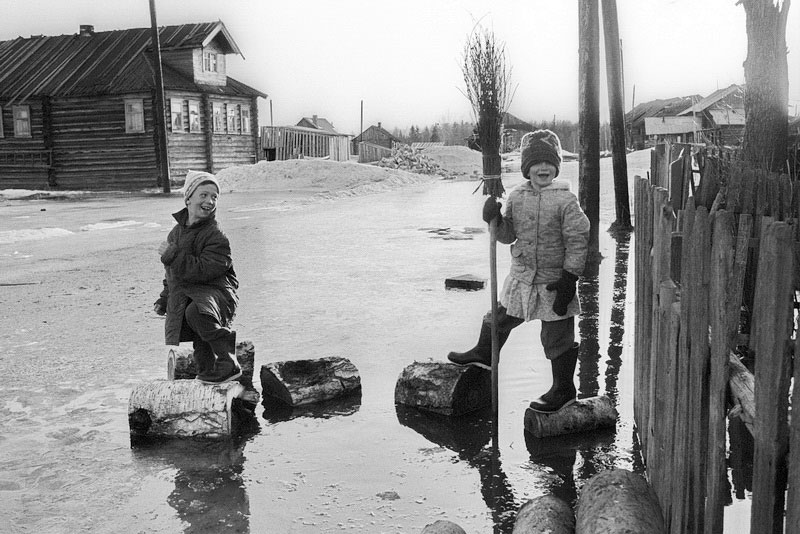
[(199, 297), (549, 235)]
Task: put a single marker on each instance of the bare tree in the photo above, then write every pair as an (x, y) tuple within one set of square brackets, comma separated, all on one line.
[(766, 78)]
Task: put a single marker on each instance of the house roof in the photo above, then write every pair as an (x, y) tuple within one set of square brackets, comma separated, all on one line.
[(379, 129), (106, 63), (660, 108), (513, 122), (318, 123), (705, 103)]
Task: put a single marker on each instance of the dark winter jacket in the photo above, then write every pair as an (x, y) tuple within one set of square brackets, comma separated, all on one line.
[(548, 231), (199, 269)]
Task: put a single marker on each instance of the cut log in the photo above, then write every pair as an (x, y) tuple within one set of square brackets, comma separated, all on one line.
[(180, 363), (618, 501), (742, 388), (469, 282), (183, 409), (581, 416), (443, 527), (298, 382), (545, 514), (444, 388)]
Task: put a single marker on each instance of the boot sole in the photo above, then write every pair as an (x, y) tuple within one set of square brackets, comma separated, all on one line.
[(212, 382), (554, 411), (473, 364)]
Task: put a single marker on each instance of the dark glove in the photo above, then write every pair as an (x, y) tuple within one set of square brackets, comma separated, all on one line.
[(565, 289), (160, 307), (491, 210)]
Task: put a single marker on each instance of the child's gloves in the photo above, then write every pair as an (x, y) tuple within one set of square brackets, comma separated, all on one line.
[(565, 289), (491, 210), (159, 307)]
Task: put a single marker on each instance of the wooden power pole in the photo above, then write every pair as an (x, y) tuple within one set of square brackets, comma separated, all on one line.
[(589, 120), (160, 126), (616, 107)]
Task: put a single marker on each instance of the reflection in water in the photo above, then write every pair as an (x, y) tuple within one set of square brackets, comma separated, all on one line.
[(209, 494), (589, 352), (617, 328), (468, 436), (276, 411)]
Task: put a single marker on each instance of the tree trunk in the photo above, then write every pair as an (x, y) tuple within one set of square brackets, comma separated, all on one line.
[(617, 500), (589, 120), (546, 513), (581, 416), (297, 382), (767, 84), (443, 388), (183, 409), (616, 107)]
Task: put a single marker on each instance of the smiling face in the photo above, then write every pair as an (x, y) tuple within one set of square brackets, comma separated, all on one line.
[(542, 174), (203, 202)]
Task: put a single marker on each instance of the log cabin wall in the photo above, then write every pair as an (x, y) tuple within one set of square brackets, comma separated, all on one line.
[(231, 146), (24, 161)]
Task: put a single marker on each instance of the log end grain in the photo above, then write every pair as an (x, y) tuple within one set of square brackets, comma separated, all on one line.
[(583, 415), (546, 513), (444, 388), (615, 499)]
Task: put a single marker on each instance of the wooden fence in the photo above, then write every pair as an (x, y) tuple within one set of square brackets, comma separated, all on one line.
[(715, 262), (293, 142)]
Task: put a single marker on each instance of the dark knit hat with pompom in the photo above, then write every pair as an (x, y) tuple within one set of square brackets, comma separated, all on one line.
[(538, 146)]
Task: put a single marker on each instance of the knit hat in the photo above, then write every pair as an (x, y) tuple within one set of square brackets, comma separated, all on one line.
[(195, 179), (538, 146)]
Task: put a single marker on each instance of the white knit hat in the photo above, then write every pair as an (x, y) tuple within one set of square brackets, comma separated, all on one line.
[(194, 179)]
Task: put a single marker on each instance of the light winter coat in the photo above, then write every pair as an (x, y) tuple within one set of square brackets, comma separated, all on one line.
[(548, 233), (199, 269)]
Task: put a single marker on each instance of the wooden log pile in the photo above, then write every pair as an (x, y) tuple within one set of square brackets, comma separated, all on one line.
[(405, 158)]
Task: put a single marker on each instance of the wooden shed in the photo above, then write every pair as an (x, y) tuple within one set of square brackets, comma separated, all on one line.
[(77, 111), (375, 135)]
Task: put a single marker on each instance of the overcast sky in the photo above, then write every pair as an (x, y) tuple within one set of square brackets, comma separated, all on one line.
[(402, 59)]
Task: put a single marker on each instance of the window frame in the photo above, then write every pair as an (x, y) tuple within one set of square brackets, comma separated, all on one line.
[(134, 121), (218, 115), (210, 61), (230, 118), (244, 119), (26, 131), (176, 112), (194, 113)]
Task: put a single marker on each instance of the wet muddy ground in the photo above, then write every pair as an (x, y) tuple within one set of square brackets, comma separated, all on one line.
[(362, 278)]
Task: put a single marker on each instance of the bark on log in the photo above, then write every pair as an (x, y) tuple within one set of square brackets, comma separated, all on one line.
[(618, 501), (183, 409), (443, 527), (444, 388), (581, 416), (180, 363), (545, 514), (298, 382)]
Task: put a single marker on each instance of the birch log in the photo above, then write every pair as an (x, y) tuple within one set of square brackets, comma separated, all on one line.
[(444, 388), (581, 416), (183, 409), (618, 501), (545, 514), (298, 382), (443, 527)]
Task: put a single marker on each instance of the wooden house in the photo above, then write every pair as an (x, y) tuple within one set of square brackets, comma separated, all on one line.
[(645, 113), (513, 130), (77, 111), (375, 135), (720, 116), (317, 123)]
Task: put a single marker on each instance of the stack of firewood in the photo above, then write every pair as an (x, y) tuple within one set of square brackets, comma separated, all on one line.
[(412, 160)]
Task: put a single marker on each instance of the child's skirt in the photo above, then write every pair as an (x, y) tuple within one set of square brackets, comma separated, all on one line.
[(534, 301)]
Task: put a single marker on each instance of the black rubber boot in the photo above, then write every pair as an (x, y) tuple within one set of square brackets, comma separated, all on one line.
[(203, 357), (481, 354), (226, 366), (563, 392)]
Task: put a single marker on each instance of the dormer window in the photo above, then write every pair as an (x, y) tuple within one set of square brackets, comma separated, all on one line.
[(209, 61)]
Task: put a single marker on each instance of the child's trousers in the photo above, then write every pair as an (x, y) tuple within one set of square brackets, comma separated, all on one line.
[(557, 337)]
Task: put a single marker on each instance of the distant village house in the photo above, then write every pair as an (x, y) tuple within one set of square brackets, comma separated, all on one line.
[(77, 111)]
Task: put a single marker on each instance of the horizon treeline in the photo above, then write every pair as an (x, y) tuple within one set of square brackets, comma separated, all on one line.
[(459, 133)]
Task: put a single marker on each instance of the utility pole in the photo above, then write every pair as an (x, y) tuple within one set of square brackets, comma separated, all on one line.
[(589, 121), (160, 126), (617, 115)]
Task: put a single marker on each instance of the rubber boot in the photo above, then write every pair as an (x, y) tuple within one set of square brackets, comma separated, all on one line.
[(226, 367), (562, 393), (481, 354), (203, 357)]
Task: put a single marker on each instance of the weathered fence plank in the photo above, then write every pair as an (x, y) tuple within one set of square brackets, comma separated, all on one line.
[(772, 321), (793, 495)]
